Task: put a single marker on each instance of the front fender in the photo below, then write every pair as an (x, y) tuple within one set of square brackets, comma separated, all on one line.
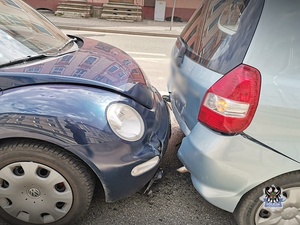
[(65, 114), (74, 117), (69, 116)]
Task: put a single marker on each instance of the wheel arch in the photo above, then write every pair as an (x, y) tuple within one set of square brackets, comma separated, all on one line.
[(39, 113), (261, 186), (93, 170)]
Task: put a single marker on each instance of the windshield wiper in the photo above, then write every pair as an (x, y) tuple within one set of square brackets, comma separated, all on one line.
[(181, 52), (19, 61), (34, 57), (68, 42)]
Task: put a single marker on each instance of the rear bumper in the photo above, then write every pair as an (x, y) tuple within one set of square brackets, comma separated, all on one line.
[(224, 168)]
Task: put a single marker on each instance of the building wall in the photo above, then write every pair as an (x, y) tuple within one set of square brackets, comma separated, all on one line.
[(43, 4), (183, 8)]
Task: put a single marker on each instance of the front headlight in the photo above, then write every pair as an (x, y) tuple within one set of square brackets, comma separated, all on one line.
[(125, 122)]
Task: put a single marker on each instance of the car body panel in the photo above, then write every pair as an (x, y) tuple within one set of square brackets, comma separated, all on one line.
[(230, 165), (188, 88), (225, 167), (76, 121), (95, 63), (277, 119)]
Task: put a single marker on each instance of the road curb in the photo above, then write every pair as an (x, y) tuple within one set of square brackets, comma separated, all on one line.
[(117, 31)]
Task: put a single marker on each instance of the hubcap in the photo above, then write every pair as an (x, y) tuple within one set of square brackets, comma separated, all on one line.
[(289, 214), (34, 193)]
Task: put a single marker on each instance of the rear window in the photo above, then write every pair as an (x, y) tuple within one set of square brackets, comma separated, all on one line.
[(220, 31)]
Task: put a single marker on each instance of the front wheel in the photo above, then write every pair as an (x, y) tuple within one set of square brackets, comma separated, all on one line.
[(281, 191), (42, 184)]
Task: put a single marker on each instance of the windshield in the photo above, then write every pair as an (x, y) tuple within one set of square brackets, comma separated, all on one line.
[(24, 33)]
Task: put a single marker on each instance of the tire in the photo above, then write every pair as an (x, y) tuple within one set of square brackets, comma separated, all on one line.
[(42, 184), (250, 209)]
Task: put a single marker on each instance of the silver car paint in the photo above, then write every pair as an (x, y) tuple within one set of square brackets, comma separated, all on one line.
[(275, 52), (189, 84), (224, 168)]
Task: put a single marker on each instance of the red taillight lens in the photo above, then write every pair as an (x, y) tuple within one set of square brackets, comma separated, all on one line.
[(230, 104)]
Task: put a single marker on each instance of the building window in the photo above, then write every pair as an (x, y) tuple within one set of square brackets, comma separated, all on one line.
[(120, 75), (58, 70), (33, 70), (112, 69), (66, 58), (126, 62), (90, 60), (135, 71), (79, 73)]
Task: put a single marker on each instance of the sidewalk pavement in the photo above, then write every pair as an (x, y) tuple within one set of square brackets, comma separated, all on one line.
[(145, 27)]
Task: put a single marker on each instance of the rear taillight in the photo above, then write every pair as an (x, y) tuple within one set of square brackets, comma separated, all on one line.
[(230, 104)]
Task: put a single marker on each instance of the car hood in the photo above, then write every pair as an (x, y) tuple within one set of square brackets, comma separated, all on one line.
[(95, 64)]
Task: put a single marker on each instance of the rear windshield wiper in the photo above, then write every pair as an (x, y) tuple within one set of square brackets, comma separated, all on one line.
[(181, 52), (19, 61)]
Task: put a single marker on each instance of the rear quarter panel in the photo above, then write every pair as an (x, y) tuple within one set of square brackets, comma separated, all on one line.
[(275, 52)]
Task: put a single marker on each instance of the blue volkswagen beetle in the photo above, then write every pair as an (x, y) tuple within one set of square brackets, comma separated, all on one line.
[(74, 113)]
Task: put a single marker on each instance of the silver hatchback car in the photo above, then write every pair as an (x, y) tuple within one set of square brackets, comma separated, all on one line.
[(235, 92)]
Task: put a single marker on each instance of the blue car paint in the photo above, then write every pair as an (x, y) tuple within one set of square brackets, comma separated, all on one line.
[(95, 64), (70, 112), (74, 118)]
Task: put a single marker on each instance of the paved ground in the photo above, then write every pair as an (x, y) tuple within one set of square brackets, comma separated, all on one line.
[(145, 27)]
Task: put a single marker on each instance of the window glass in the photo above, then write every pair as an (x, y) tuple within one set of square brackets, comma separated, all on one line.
[(24, 33), (220, 31)]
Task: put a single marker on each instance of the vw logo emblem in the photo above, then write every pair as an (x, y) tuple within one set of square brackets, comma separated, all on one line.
[(34, 192)]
